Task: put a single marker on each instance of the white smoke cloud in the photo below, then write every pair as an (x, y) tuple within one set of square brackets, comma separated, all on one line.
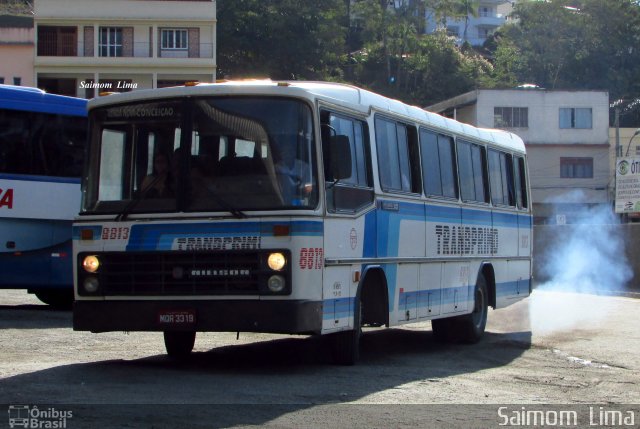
[(585, 258)]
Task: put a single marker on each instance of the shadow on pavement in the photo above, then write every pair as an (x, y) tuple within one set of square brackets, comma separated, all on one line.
[(256, 383)]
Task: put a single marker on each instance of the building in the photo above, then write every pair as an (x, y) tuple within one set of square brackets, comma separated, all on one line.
[(477, 26), (567, 139), (16, 43), (84, 46)]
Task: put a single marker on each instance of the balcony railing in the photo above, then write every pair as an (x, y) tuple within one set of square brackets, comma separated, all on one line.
[(52, 48)]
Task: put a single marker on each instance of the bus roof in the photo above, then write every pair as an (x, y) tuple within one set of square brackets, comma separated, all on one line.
[(36, 100), (336, 93)]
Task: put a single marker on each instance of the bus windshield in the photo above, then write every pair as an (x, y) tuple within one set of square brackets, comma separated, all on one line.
[(213, 154)]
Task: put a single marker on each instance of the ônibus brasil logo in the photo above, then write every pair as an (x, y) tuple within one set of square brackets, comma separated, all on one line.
[(27, 416)]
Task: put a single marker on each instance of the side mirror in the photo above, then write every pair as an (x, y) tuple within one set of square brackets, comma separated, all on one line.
[(340, 155)]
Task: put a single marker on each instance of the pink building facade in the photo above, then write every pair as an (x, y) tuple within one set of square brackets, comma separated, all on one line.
[(17, 50)]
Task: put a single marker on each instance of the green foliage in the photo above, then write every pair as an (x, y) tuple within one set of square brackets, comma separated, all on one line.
[(16, 7), (281, 39), (556, 44), (579, 44)]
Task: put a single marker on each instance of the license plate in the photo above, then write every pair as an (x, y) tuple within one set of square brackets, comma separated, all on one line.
[(177, 317)]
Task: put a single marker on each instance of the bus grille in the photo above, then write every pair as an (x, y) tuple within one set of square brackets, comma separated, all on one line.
[(180, 273)]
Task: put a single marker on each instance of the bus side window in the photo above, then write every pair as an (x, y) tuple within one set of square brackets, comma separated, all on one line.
[(438, 165), (472, 172), (502, 181), (520, 183), (397, 156), (354, 192)]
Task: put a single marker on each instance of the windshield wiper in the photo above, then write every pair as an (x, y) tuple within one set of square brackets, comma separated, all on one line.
[(225, 204), (122, 216)]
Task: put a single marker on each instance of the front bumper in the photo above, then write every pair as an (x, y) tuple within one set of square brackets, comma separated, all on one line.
[(270, 316)]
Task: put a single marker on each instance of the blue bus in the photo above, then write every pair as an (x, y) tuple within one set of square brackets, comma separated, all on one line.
[(42, 141)]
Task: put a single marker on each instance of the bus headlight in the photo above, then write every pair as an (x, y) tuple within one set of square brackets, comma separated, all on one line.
[(276, 261), (91, 284), (276, 283), (91, 264)]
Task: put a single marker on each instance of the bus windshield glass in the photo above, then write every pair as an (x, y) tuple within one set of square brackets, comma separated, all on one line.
[(214, 154)]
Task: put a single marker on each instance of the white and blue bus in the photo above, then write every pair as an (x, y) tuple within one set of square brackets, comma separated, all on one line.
[(42, 143), (299, 208)]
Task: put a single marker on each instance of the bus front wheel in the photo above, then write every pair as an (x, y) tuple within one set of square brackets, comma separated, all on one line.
[(179, 344)]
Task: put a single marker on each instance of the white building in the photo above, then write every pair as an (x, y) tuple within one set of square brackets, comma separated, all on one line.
[(567, 139), (116, 45), (489, 15)]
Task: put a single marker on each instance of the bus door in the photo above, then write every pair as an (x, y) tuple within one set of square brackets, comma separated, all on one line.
[(350, 212)]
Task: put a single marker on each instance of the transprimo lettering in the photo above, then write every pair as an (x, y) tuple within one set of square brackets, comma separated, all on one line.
[(6, 199), (217, 243), (466, 240)]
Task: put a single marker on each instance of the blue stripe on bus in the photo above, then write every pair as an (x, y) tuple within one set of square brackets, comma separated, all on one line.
[(449, 214), (385, 222), (33, 178), (339, 308), (161, 236)]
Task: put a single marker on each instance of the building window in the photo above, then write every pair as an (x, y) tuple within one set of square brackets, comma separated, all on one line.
[(1, 80), (110, 42), (576, 168), (175, 39), (511, 117), (57, 41), (571, 117), (17, 81)]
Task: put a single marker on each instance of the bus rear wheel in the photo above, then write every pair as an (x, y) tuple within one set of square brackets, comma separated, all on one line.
[(179, 344), (470, 327)]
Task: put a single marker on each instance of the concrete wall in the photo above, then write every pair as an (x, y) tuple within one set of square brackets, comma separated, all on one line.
[(544, 172), (549, 237), (544, 114)]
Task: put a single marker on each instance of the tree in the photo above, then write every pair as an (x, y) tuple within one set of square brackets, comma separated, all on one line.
[(467, 8), (572, 44), (281, 39)]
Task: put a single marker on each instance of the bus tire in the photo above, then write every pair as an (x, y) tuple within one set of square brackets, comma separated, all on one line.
[(346, 344), (179, 344), (58, 299), (470, 327), (442, 330)]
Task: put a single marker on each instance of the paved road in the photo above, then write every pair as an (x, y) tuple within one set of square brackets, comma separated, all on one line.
[(562, 349)]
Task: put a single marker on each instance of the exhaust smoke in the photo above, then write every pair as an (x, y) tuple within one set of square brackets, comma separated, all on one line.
[(584, 259)]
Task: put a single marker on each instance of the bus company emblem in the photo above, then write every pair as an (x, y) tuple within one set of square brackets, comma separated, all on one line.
[(353, 238), (6, 198)]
